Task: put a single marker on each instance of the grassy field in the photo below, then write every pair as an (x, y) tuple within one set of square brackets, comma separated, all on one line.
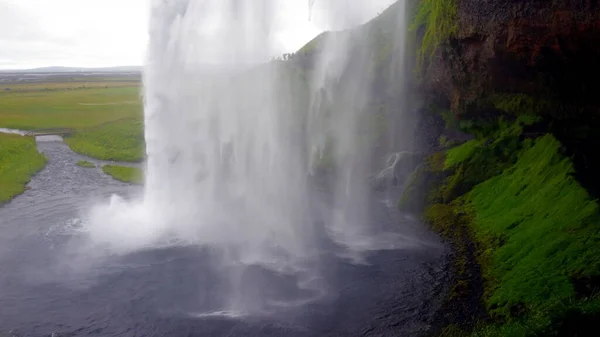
[(19, 160), (124, 173), (121, 140), (106, 115), (78, 109), (72, 85), (86, 164)]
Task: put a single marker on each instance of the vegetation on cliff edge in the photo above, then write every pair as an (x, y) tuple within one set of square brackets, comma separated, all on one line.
[(537, 235), (440, 20), (540, 230)]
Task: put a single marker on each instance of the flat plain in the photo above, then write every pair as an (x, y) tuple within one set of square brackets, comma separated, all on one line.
[(104, 110)]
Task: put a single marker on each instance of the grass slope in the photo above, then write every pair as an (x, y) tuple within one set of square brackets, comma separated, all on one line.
[(121, 140), (19, 160), (540, 230), (124, 173), (537, 233), (459, 154)]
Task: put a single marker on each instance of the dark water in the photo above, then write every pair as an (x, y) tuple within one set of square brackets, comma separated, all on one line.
[(49, 286)]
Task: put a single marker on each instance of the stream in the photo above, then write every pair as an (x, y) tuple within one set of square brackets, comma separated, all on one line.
[(50, 285)]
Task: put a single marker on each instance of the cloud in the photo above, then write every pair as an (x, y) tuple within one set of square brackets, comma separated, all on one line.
[(36, 33), (342, 14)]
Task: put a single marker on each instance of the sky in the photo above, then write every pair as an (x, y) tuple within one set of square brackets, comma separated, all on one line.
[(99, 33)]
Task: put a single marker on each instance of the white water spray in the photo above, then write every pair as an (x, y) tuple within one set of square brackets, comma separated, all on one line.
[(231, 142)]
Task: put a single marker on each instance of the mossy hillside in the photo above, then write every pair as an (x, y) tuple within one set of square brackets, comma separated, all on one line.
[(121, 140), (540, 229), (124, 173), (461, 153), (19, 160), (477, 160), (536, 230)]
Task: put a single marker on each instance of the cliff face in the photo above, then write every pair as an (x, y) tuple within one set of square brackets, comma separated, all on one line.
[(518, 203), (508, 54), (536, 47), (505, 112)]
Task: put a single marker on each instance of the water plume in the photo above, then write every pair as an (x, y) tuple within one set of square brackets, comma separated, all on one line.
[(234, 144)]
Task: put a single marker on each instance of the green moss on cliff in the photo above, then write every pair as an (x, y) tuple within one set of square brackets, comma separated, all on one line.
[(440, 20), (548, 230), (536, 230), (461, 153)]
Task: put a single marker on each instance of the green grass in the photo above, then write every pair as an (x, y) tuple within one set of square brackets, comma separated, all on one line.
[(459, 154), (549, 225), (19, 160), (106, 117), (124, 173), (539, 232), (77, 109), (121, 140), (9, 89), (86, 164), (440, 20)]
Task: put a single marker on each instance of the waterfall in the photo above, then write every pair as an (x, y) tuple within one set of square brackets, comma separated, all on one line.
[(234, 141)]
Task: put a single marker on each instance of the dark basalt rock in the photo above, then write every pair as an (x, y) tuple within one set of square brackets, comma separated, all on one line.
[(540, 48), (545, 50)]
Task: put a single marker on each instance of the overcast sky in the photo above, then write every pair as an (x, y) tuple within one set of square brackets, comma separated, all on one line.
[(94, 33)]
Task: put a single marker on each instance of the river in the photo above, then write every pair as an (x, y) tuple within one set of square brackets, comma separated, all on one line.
[(50, 285)]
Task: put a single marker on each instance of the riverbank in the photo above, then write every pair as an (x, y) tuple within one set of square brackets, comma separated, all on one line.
[(19, 161), (121, 140), (125, 174)]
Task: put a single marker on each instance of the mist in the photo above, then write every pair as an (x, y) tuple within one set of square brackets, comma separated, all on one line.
[(264, 165)]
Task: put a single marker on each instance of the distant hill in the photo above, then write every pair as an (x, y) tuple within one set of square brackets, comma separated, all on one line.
[(76, 69)]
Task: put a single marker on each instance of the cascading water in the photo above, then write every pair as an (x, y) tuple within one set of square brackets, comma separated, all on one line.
[(233, 144), (222, 164)]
